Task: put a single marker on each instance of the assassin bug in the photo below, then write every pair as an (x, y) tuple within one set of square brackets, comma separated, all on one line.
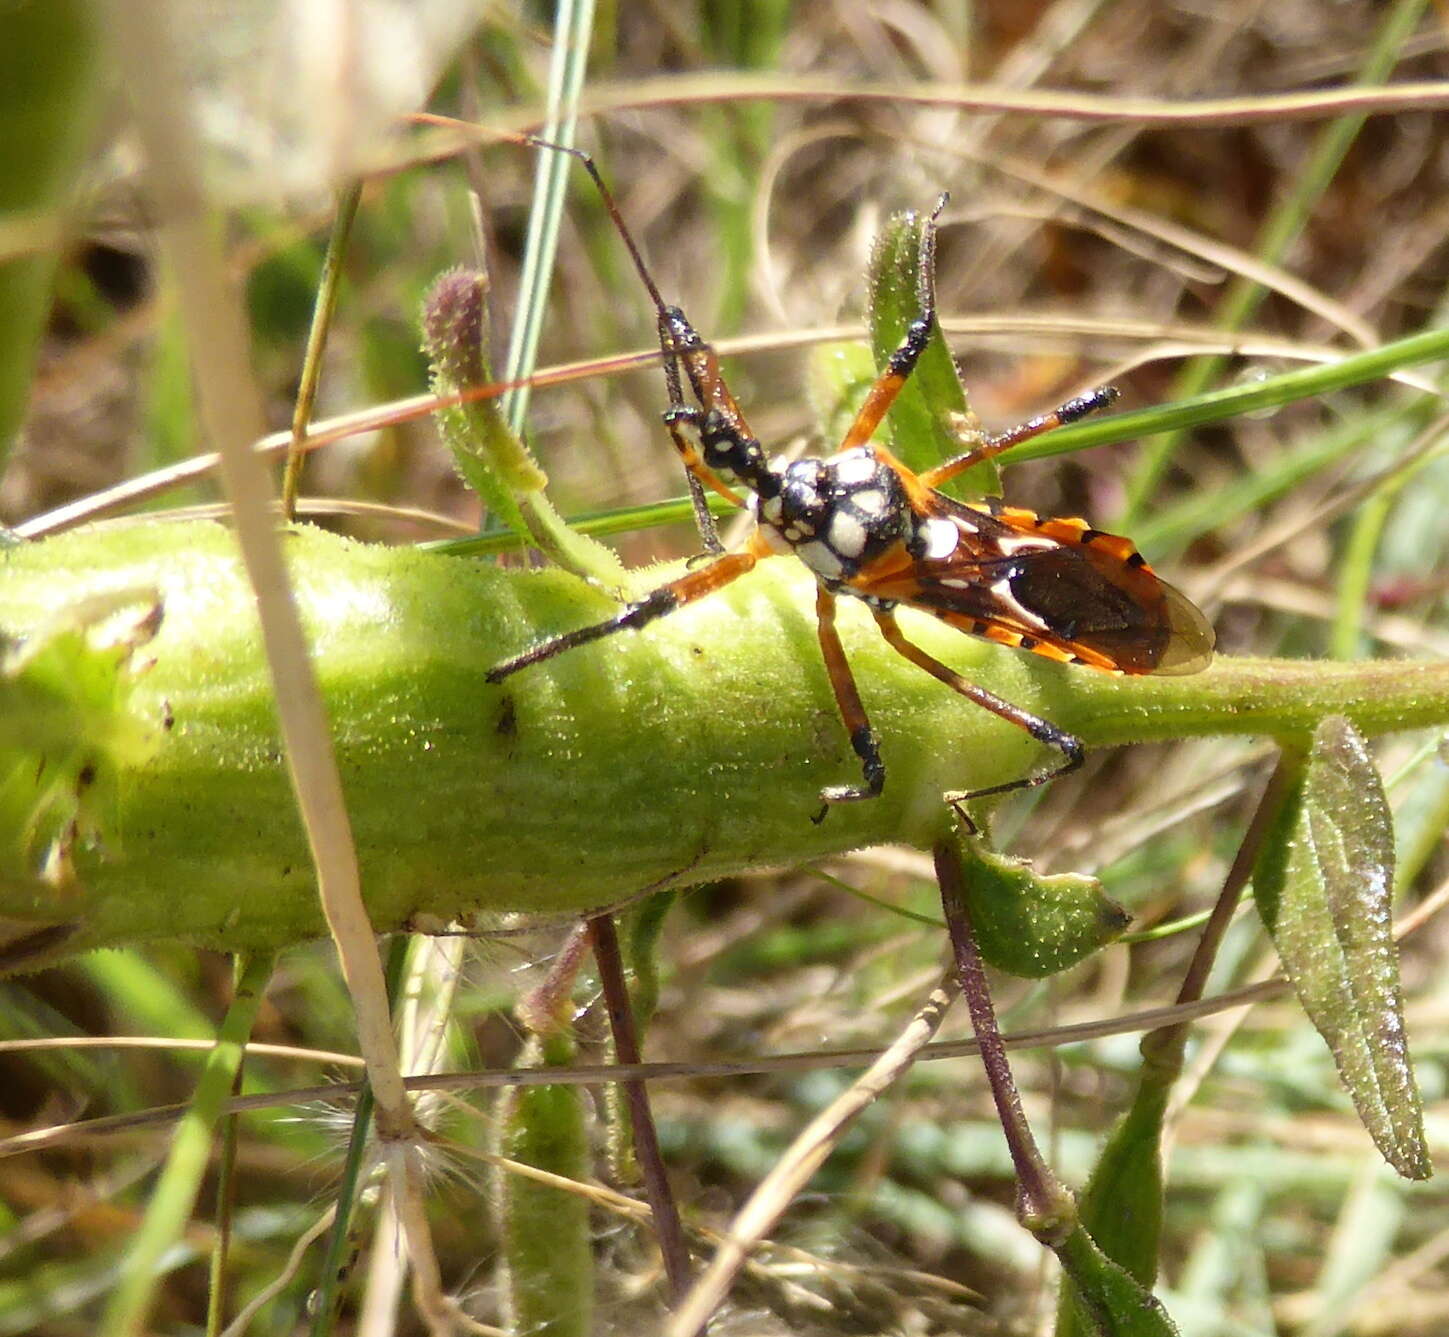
[(872, 529)]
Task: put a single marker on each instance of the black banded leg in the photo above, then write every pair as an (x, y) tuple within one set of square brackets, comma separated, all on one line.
[(678, 412), (660, 603), (1044, 731), (703, 520), (908, 352), (1001, 442), (847, 698)]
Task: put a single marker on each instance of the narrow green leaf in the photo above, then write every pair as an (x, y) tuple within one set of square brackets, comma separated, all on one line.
[(838, 377), (488, 455), (1108, 1299), (931, 412), (1324, 888), (1030, 924)]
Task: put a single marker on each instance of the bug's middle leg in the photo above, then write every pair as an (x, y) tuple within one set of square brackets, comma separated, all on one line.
[(998, 444), (847, 697)]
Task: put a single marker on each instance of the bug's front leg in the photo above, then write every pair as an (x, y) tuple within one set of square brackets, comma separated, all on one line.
[(659, 603), (847, 697)]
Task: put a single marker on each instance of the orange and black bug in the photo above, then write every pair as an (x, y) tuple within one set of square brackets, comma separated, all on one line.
[(871, 529)]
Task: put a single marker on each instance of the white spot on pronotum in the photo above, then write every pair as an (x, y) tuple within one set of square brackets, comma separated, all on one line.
[(847, 535), (855, 467), (871, 502), (820, 559), (954, 583), (940, 537)]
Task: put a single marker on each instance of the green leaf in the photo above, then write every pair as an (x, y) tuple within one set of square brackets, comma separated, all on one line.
[(1030, 924), (838, 377), (1108, 1300), (1324, 886), (487, 454), (1122, 1206), (931, 412)]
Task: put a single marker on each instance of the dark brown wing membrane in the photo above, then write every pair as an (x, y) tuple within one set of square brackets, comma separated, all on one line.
[(1056, 587)]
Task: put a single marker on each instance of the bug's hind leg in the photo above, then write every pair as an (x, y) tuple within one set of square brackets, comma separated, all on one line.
[(1044, 731)]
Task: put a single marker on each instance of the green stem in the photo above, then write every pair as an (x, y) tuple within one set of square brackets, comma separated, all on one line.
[(692, 750)]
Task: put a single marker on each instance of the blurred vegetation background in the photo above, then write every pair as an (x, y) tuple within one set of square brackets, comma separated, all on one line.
[(1073, 252)]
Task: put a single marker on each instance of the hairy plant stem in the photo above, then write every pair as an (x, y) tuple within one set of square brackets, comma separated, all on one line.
[(693, 750)]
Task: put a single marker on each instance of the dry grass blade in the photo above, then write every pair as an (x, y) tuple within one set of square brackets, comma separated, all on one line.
[(229, 405), (775, 1192)]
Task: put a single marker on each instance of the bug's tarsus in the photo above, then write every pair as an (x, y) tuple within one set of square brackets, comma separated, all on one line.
[(1069, 745), (866, 746)]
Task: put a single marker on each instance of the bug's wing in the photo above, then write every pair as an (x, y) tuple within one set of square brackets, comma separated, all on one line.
[(1191, 638), (1056, 587)]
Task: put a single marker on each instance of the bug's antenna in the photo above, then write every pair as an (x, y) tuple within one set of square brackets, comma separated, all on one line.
[(669, 317), (610, 206)]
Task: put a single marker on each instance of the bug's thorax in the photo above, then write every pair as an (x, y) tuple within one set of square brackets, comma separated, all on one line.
[(838, 515)]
